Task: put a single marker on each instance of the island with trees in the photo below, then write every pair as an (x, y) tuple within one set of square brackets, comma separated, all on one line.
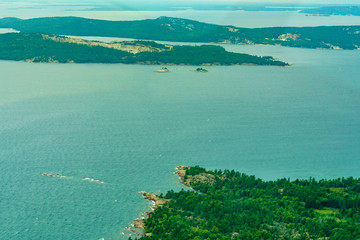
[(184, 30), (37, 47), (201, 70), (231, 205)]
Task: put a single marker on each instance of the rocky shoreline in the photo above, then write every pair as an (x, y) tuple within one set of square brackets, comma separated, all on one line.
[(181, 173), (139, 223)]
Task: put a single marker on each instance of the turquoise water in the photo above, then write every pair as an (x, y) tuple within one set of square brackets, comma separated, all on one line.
[(130, 127)]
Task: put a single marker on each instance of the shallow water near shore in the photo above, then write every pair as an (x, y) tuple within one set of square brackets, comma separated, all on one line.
[(130, 127)]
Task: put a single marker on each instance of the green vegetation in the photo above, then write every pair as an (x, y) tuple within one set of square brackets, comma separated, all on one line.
[(203, 70), (231, 205), (36, 47), (183, 30)]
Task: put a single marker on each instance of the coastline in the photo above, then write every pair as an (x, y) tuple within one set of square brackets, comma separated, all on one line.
[(27, 47), (147, 63), (181, 172), (157, 201), (199, 214)]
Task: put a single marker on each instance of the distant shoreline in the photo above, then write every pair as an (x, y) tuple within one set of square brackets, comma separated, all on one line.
[(186, 30), (48, 48)]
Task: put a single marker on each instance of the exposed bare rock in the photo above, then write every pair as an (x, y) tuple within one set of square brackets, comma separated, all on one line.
[(51, 175), (128, 46), (288, 36), (231, 29), (181, 172), (200, 178), (139, 224)]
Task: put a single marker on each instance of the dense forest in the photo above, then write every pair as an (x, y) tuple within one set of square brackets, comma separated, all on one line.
[(36, 47), (184, 30), (232, 205)]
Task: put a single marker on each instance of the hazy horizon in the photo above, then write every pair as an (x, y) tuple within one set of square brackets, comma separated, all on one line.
[(181, 2)]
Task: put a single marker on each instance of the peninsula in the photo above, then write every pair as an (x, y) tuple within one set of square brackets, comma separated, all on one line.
[(37, 47), (232, 205), (184, 30)]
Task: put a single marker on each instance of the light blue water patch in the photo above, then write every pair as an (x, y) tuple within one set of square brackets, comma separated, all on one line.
[(7, 30), (130, 127)]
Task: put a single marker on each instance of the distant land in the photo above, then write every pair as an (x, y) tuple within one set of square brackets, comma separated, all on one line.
[(184, 30), (333, 10), (37, 47), (210, 6), (231, 205)]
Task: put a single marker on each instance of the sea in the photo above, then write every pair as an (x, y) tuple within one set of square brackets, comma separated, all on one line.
[(113, 131)]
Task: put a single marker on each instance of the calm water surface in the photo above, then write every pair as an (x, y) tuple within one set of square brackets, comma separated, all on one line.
[(130, 127)]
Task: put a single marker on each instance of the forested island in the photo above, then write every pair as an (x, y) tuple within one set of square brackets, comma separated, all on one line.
[(37, 47), (231, 205), (184, 30)]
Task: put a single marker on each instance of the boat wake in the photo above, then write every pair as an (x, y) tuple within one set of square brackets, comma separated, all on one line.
[(93, 180)]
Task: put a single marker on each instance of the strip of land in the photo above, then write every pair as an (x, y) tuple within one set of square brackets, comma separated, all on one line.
[(232, 205), (184, 30), (352, 10), (38, 47)]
